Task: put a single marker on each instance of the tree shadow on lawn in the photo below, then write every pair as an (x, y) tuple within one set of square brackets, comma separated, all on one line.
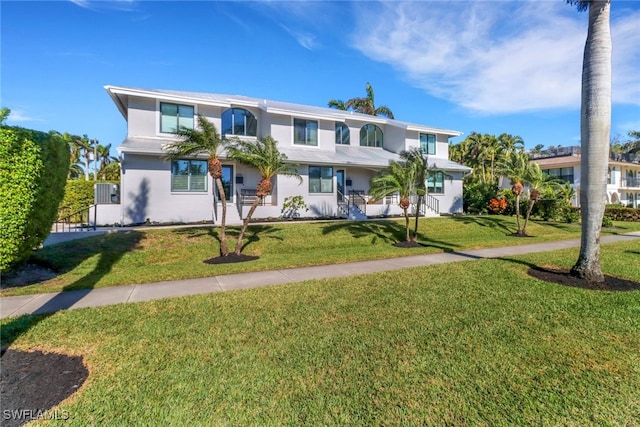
[(392, 232), (561, 276), (493, 221), (63, 258), (253, 235), (387, 231)]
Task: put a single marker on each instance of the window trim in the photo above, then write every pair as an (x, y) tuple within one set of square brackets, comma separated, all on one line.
[(342, 126), (245, 126), (306, 122), (376, 128), (431, 189), (160, 115), (189, 182), (320, 168), (428, 144)]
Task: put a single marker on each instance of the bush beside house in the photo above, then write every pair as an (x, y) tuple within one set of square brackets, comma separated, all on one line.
[(33, 171)]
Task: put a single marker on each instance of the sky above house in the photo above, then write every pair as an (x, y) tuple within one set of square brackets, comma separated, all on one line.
[(485, 66)]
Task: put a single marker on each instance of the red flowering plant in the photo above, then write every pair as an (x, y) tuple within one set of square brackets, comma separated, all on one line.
[(497, 206)]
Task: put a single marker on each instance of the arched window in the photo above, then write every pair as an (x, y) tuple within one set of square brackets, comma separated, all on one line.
[(342, 134), (370, 136), (240, 122)]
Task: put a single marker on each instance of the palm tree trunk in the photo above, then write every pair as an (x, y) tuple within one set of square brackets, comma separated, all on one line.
[(415, 228), (526, 220), (224, 249), (518, 213), (406, 224), (595, 127), (245, 224)]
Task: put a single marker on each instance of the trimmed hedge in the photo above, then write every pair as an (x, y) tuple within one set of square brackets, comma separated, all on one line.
[(622, 213), (33, 172), (78, 195)]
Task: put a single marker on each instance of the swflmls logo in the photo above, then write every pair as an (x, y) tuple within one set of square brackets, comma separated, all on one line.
[(34, 414)]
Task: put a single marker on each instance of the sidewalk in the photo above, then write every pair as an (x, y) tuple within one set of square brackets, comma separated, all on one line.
[(52, 302)]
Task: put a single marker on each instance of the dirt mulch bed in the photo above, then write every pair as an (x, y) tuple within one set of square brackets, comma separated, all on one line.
[(230, 259), (33, 382), (27, 275), (405, 244), (564, 278)]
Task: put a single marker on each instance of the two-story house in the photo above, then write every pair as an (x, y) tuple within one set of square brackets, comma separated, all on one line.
[(336, 153), (623, 178)]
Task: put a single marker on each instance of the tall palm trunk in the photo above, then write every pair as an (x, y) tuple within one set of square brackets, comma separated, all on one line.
[(595, 126), (245, 224), (224, 249), (415, 228)]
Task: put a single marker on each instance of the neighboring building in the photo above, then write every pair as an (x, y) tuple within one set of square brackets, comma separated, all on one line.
[(336, 153), (623, 180)]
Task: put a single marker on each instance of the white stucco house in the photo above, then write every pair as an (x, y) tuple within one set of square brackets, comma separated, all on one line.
[(623, 178), (336, 153)]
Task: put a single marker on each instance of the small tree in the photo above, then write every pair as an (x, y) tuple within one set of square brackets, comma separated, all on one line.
[(205, 140), (539, 182), (516, 167), (263, 155), (399, 177)]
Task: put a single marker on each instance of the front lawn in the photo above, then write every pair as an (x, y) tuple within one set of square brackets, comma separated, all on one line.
[(469, 343), (130, 257)]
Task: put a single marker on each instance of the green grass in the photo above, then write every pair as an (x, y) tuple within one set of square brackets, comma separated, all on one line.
[(469, 343), (144, 256)]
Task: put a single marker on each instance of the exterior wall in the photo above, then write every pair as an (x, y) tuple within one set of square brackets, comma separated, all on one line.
[(394, 138), (145, 194)]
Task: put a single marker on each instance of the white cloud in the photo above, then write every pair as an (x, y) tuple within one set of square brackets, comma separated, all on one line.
[(494, 57), (20, 116), (122, 5)]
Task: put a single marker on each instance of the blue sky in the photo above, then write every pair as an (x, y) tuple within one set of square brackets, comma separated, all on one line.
[(484, 66)]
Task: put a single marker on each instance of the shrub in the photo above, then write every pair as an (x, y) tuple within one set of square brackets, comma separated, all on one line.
[(619, 213), (497, 206), (292, 205), (607, 221), (78, 195), (33, 171), (476, 197)]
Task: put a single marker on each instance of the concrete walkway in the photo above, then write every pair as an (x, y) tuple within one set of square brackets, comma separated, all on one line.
[(52, 302)]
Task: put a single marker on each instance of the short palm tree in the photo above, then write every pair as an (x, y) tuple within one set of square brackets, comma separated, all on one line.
[(399, 177), (419, 162), (539, 182), (263, 155), (205, 140), (516, 167)]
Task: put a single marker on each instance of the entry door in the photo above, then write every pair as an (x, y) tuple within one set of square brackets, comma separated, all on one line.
[(227, 182), (340, 183)]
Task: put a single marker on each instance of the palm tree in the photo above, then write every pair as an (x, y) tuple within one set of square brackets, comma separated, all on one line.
[(263, 155), (84, 145), (364, 105), (539, 182), (419, 162), (204, 141), (633, 146), (338, 104), (398, 177), (104, 159), (595, 127), (516, 167)]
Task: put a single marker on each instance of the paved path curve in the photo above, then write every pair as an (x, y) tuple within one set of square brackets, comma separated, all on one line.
[(52, 302)]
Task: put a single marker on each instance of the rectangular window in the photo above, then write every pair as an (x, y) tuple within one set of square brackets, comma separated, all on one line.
[(174, 116), (435, 182), (189, 175), (427, 143), (305, 132), (320, 179), (565, 174)]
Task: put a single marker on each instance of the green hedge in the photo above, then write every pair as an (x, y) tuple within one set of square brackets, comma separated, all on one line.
[(78, 195), (33, 172), (622, 214)]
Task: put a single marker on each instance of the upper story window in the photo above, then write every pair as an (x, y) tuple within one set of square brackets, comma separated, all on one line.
[(342, 134), (305, 132), (427, 143), (175, 116), (189, 175), (565, 174), (239, 122), (370, 136)]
